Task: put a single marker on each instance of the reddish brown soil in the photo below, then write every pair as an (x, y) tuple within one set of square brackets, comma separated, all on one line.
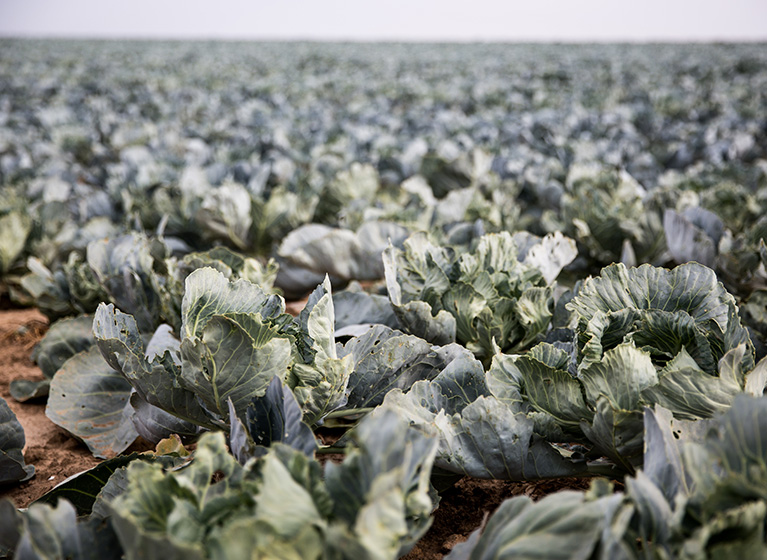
[(463, 508), (57, 456), (295, 307)]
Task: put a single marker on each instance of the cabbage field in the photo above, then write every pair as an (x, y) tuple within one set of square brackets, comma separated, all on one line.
[(511, 262)]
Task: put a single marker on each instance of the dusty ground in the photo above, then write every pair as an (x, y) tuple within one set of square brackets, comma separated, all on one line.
[(57, 456), (463, 507)]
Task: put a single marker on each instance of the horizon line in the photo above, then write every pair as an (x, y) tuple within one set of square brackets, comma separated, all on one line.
[(384, 40)]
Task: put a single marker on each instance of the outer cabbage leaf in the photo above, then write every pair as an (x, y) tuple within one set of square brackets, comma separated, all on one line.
[(617, 434), (209, 293), (64, 339), (320, 378), (154, 424), (91, 401), (342, 253), (12, 467), (691, 393), (15, 227), (354, 308), (156, 380), (656, 519), (382, 488), (482, 438), (736, 456), (275, 417), (566, 525), (54, 532), (125, 266), (663, 462), (385, 359), (233, 357)]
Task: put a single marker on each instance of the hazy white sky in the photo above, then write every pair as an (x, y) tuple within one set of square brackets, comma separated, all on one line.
[(420, 20)]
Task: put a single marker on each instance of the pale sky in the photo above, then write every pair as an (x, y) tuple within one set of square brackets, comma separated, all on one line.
[(409, 20)]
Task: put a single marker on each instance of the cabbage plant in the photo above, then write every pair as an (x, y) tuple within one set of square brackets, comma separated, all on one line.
[(701, 495), (493, 296), (641, 336), (282, 505)]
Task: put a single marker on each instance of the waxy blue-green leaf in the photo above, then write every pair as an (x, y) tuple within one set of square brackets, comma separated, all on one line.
[(358, 307), (386, 474), (756, 380), (154, 424), (320, 381), (158, 381), (282, 502), (124, 266), (82, 490), (274, 417), (563, 526), (664, 461), (225, 214), (504, 381), (11, 526), (321, 391), (342, 253), (15, 227), (235, 359), (90, 400), (551, 254), (616, 433), (690, 287), (12, 440), (63, 340), (664, 334), (553, 390), (737, 532), (416, 317), (654, 512), (687, 241), (737, 448), (386, 359), (483, 438), (209, 293), (691, 393), (54, 532), (621, 376), (317, 322), (462, 381)]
